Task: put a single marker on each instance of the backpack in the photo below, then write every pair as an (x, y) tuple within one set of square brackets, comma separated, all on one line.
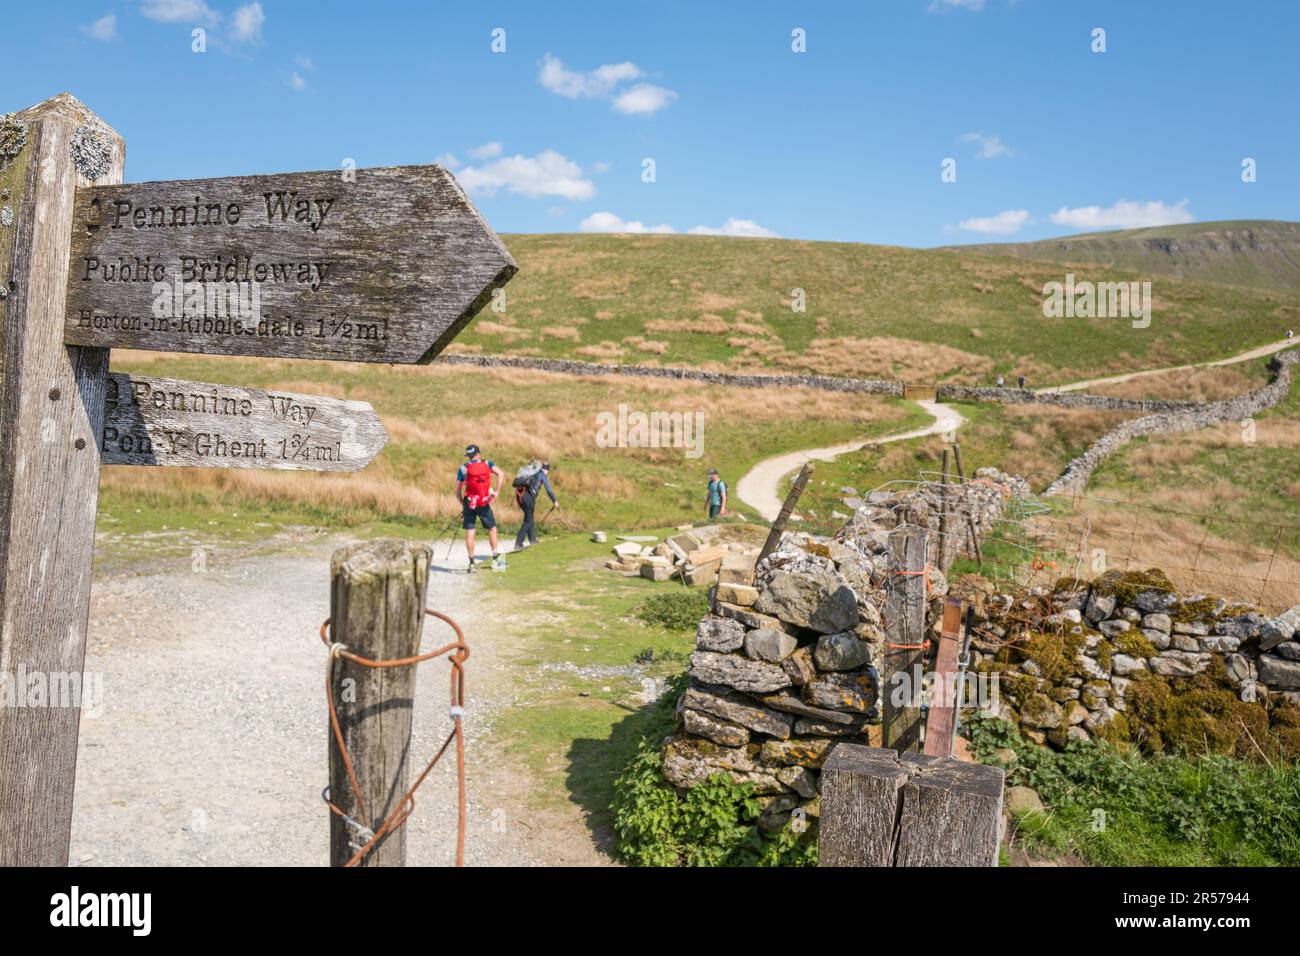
[(478, 482), (525, 475)]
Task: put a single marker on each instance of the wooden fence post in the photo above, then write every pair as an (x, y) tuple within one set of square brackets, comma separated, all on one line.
[(377, 594), (787, 509), (881, 808), (51, 413), (902, 658)]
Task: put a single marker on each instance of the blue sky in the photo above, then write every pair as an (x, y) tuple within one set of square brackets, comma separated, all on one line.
[(842, 142)]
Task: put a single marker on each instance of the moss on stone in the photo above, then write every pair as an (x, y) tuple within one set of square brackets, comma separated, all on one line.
[(1134, 644), (1199, 715), (1105, 652), (1057, 655), (1185, 612), (1125, 586)]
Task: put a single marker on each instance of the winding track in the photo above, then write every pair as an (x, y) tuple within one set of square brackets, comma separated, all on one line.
[(760, 487)]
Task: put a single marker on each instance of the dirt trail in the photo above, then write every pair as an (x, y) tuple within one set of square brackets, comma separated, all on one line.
[(211, 744), (1255, 353), (760, 487)]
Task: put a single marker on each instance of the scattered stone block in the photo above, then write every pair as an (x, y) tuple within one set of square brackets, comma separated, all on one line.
[(737, 568), (655, 572)]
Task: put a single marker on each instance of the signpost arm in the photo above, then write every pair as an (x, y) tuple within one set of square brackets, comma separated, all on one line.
[(51, 410)]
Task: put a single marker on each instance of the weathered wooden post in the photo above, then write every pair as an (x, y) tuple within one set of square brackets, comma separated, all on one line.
[(377, 610), (51, 409), (370, 265), (787, 509), (882, 808), (904, 651)]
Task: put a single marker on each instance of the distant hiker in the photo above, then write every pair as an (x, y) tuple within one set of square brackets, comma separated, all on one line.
[(530, 480), (1001, 381), (476, 494), (1022, 382), (717, 497), (1290, 333)]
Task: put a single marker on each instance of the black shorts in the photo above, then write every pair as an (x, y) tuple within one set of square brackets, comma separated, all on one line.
[(482, 512)]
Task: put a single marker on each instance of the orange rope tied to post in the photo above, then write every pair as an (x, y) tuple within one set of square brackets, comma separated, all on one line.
[(406, 806)]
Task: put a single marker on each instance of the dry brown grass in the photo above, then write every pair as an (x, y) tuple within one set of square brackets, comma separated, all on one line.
[(878, 357), (1199, 385), (561, 332), (602, 350), (1196, 560), (707, 324)]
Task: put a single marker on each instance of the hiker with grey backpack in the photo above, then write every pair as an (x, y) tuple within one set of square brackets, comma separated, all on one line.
[(531, 480)]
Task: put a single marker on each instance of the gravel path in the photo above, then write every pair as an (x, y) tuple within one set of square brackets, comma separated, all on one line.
[(760, 487), (211, 744)]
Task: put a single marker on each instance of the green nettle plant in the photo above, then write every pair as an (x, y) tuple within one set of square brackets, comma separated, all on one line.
[(1126, 809), (713, 824)]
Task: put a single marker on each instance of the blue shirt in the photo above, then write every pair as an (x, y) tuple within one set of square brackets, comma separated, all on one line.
[(716, 487)]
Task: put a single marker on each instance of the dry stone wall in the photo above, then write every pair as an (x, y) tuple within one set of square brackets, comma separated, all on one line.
[(1129, 660), (786, 663), (1077, 473)]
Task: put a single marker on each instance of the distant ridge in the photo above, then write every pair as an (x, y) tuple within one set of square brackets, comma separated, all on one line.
[(1259, 253)]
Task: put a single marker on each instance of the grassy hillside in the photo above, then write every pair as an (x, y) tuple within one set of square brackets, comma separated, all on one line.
[(726, 303), (432, 412), (1262, 254)]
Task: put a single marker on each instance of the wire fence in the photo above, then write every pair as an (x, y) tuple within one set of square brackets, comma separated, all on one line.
[(1043, 541)]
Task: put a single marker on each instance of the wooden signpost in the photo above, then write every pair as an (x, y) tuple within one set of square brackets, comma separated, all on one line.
[(387, 267), (379, 265)]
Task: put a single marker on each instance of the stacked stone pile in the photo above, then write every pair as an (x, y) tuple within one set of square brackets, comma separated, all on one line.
[(786, 662)]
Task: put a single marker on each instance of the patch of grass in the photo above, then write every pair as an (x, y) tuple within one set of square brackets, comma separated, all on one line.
[(582, 706), (432, 412), (678, 610), (1115, 809)]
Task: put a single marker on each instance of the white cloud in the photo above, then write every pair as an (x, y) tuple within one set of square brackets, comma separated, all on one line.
[(105, 28), (608, 222), (246, 24), (297, 82), (602, 83), (991, 147), (599, 168), (736, 227), (177, 11), (1003, 224), (546, 174), (643, 98), (304, 61), (486, 151), (597, 84), (943, 6), (448, 160), (1123, 215)]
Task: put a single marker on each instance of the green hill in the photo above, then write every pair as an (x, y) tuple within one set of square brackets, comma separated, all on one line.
[(1260, 253), (921, 315)]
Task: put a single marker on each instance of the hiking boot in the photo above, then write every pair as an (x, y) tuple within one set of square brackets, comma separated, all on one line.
[(471, 569), (498, 562)]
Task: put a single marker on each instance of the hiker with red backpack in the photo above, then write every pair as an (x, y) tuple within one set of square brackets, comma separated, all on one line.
[(476, 494), (528, 483)]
